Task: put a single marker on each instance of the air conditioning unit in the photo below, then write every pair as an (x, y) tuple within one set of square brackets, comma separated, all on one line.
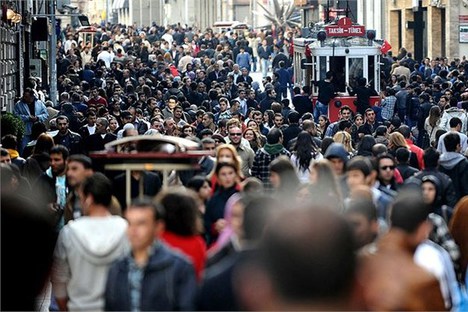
[(35, 68)]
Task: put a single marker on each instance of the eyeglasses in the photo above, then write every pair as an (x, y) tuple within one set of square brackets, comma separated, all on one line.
[(235, 134), (387, 168)]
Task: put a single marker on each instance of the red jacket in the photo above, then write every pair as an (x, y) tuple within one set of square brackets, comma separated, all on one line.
[(418, 151)]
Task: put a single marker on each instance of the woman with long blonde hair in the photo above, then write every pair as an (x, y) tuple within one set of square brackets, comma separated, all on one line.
[(397, 140), (344, 138)]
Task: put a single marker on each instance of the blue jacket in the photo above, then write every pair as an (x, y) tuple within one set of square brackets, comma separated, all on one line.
[(168, 284), (21, 110)]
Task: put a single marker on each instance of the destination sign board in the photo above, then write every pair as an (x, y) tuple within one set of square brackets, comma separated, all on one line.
[(345, 28)]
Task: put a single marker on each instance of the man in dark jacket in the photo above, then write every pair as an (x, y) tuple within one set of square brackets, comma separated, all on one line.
[(431, 161), (293, 129), (68, 138), (152, 277), (96, 141), (363, 93), (455, 165)]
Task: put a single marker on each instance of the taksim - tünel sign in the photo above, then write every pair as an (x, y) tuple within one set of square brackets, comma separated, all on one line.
[(345, 28)]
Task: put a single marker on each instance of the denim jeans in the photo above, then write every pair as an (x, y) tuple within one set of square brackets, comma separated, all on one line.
[(320, 109), (265, 65)]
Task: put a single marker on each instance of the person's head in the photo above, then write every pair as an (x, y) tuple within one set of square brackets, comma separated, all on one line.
[(358, 120), (145, 223), (366, 144), (452, 142), (409, 214), (405, 131), (294, 117), (346, 112), (58, 159), (10, 141), (359, 172), (283, 174), (431, 188), (28, 95), (180, 210), (95, 192), (201, 186), (275, 136), (278, 120), (207, 119), (431, 157), (386, 164), (344, 138), (310, 265), (62, 124), (402, 155), (79, 167), (172, 102), (227, 174), (362, 216), (235, 135), (337, 156), (396, 140), (379, 149), (91, 118), (455, 123), (22, 275), (5, 156), (101, 125), (370, 115)]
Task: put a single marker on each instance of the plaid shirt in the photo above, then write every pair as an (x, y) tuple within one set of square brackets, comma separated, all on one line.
[(441, 236), (261, 166), (388, 107)]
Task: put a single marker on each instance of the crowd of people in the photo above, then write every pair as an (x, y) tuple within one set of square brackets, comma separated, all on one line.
[(287, 210)]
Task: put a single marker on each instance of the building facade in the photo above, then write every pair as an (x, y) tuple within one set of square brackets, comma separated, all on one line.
[(429, 28)]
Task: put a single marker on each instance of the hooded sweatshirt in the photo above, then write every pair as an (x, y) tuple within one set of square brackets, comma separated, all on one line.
[(84, 252), (455, 166)]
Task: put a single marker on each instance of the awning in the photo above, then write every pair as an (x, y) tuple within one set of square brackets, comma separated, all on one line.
[(119, 4)]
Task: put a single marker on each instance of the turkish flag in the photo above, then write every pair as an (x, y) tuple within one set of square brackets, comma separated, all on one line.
[(385, 47)]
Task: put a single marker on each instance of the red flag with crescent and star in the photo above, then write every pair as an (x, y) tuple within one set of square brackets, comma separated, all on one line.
[(385, 47)]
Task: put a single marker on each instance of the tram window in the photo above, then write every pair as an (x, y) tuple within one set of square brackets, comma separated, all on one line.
[(355, 70), (371, 71), (338, 65), (323, 67)]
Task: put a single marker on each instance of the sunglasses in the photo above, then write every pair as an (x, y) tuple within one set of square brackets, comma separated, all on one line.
[(387, 168), (235, 134)]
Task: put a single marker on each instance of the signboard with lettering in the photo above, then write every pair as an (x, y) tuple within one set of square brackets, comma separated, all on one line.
[(345, 28)]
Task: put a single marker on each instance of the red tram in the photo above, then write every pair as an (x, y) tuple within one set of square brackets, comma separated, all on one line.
[(345, 48)]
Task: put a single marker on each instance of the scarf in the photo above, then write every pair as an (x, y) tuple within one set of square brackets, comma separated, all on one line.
[(273, 149)]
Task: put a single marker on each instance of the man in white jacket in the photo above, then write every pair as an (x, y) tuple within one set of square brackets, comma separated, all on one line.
[(87, 247)]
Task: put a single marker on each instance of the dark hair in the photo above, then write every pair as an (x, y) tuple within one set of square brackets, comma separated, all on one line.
[(365, 147), (431, 157), (82, 159), (402, 155), (274, 135), (306, 150), (60, 149), (256, 212), (100, 187), (221, 165), (451, 141), (293, 117), (148, 203), (313, 260), (196, 182), (379, 149), (326, 142), (44, 144), (360, 163), (10, 141), (284, 168), (408, 212), (365, 207), (454, 122), (181, 211), (405, 131)]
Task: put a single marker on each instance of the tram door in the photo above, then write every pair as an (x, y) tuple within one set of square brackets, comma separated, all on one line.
[(356, 70)]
